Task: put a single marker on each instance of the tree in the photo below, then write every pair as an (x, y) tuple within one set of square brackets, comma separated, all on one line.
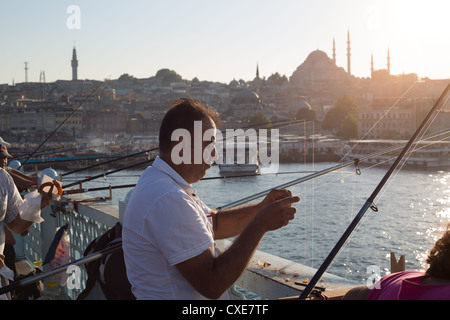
[(349, 127), (343, 107), (168, 76), (306, 114), (259, 120), (126, 77), (195, 81), (277, 79)]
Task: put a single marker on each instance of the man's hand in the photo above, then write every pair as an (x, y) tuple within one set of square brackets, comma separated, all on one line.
[(276, 214), (274, 195)]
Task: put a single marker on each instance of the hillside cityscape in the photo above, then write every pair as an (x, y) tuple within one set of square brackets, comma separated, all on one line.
[(127, 111)]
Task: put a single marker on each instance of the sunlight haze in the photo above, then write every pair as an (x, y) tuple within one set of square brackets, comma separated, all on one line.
[(220, 40)]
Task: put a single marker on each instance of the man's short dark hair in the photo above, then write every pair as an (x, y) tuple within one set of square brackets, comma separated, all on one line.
[(182, 115)]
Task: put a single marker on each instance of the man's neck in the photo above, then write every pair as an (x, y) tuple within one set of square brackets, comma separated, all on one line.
[(178, 168)]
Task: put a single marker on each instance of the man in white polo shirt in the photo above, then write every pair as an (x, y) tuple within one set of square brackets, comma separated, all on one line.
[(168, 232)]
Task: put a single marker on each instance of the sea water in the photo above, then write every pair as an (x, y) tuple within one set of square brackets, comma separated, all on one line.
[(413, 210)]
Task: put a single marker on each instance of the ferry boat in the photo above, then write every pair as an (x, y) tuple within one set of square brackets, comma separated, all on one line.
[(240, 158), (425, 154), (315, 148)]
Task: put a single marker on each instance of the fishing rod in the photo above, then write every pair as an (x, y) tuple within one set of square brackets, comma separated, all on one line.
[(83, 190), (60, 125), (55, 150), (110, 161), (75, 158), (43, 275), (370, 201), (253, 197), (108, 173), (278, 124)]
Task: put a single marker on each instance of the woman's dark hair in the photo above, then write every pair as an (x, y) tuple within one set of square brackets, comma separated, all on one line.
[(182, 115), (439, 257)]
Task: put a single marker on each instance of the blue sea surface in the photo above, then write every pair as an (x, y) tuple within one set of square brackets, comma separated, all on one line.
[(413, 211)]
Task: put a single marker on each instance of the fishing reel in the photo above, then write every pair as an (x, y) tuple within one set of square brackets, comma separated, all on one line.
[(62, 207)]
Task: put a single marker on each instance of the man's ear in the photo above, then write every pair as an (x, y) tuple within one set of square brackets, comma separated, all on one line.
[(175, 142)]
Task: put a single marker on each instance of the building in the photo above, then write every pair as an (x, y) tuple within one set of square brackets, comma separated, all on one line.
[(245, 103), (379, 120)]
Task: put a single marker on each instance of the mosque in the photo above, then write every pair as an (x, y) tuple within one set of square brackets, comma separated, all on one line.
[(319, 72)]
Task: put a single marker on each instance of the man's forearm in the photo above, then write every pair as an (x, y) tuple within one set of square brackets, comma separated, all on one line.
[(231, 264), (212, 276), (231, 222)]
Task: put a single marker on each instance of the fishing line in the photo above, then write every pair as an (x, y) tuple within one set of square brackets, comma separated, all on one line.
[(110, 161), (393, 157), (278, 123), (48, 151), (382, 117), (305, 200), (109, 172), (61, 124), (423, 140), (319, 173), (284, 123), (313, 182), (370, 201), (351, 212), (414, 148), (357, 228)]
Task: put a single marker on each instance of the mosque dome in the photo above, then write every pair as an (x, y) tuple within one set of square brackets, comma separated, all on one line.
[(245, 96), (299, 104), (317, 56), (234, 83)]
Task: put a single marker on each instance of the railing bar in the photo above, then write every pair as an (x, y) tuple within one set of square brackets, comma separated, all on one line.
[(46, 274)]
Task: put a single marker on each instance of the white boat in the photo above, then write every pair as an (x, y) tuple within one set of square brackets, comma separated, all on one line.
[(423, 154), (239, 168), (239, 159)]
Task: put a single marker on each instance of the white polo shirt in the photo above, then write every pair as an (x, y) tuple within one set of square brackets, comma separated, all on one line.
[(10, 201), (165, 223)]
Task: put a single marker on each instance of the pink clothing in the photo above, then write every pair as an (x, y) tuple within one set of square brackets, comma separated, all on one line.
[(407, 285)]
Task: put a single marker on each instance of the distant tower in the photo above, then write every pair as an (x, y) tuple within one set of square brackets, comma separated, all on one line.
[(371, 67), (42, 77), (388, 63), (348, 53), (257, 81), (334, 51), (26, 72), (74, 65)]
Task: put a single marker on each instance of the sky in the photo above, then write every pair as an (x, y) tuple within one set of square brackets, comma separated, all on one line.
[(219, 40)]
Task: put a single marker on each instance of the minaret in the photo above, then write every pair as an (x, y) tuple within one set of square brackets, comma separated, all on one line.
[(388, 63), (334, 51), (371, 67), (257, 80), (348, 53), (26, 72), (74, 65)]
